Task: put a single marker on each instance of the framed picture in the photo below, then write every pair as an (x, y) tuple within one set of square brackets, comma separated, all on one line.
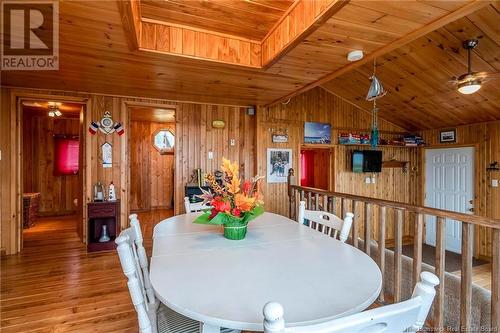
[(448, 136), (320, 133), (279, 161), (280, 138)]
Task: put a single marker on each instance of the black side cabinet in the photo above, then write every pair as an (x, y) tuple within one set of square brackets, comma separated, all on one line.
[(99, 214)]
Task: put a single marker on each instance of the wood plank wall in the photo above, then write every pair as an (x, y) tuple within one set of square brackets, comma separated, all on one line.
[(320, 106), (57, 193), (199, 44), (486, 137), (151, 174), (195, 137)]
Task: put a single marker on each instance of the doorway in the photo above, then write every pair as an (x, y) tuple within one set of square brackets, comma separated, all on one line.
[(152, 158), (51, 177), (449, 185), (316, 168)]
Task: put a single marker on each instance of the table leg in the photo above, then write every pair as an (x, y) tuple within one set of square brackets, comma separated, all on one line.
[(205, 328)]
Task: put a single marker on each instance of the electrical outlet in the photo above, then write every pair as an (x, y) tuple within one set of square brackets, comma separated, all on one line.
[(494, 183), (210, 155), (368, 180), (232, 142), (373, 180)]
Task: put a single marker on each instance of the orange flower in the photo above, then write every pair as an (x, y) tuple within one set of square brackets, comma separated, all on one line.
[(233, 186), (243, 203), (231, 169)]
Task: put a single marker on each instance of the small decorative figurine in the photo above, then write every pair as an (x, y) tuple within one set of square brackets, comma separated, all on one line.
[(111, 192), (98, 192), (104, 234)]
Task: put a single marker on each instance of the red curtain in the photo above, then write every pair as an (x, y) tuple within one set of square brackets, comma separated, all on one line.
[(307, 168), (66, 156)]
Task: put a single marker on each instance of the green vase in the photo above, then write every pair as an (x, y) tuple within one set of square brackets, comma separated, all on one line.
[(235, 232)]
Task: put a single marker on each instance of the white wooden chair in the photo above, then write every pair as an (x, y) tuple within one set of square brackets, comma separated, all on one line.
[(330, 222), (407, 316), (191, 207), (153, 317)]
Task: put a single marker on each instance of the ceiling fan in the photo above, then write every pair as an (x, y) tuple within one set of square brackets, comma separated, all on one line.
[(471, 82)]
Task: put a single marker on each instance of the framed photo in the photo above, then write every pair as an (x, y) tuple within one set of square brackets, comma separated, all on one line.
[(279, 161), (319, 133), (448, 136)]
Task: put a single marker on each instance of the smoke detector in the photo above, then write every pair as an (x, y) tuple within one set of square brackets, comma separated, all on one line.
[(355, 55)]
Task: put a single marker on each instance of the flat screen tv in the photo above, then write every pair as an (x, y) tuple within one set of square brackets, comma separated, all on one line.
[(366, 161), (372, 161)]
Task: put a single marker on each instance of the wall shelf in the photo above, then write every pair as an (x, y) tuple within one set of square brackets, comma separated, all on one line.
[(368, 145)]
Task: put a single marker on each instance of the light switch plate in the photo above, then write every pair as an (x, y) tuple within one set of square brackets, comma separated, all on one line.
[(373, 180), (368, 180), (232, 142), (494, 183), (210, 155)]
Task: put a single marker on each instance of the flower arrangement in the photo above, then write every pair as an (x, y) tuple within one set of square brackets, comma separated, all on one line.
[(233, 204)]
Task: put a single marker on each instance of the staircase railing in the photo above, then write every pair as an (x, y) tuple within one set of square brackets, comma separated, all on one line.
[(340, 203)]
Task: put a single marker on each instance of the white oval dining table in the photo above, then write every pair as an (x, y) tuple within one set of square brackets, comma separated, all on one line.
[(225, 283)]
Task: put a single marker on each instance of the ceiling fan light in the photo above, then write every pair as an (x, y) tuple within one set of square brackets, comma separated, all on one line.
[(468, 88), (58, 113), (52, 114)]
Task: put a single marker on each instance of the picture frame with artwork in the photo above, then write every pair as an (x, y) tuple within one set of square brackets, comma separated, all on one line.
[(279, 161), (317, 133), (448, 136)]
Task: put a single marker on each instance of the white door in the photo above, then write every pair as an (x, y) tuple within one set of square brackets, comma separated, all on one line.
[(449, 185)]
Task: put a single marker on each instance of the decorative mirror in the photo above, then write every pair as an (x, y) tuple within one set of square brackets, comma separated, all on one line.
[(164, 141)]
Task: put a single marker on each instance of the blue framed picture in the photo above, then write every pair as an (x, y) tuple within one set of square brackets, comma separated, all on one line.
[(318, 133)]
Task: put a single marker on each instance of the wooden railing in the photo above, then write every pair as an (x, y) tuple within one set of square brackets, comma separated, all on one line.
[(340, 203)]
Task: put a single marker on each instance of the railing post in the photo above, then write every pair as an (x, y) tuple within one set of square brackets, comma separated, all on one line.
[(466, 281), (440, 269), (355, 226), (381, 248), (368, 227), (291, 194), (398, 250), (495, 281), (417, 248)]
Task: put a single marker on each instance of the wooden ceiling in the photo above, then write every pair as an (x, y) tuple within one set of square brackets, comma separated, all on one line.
[(250, 19), (417, 76), (95, 54), (150, 114), (41, 108)]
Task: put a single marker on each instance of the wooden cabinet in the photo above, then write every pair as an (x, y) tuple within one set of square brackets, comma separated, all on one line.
[(99, 214)]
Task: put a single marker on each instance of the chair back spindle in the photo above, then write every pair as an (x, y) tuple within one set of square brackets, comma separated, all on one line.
[(336, 225), (407, 316)]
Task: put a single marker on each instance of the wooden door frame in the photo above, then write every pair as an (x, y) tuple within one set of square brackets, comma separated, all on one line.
[(476, 166), (125, 173), (16, 99), (331, 169)]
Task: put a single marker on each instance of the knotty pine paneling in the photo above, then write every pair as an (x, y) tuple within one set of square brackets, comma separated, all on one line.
[(151, 174), (486, 138), (318, 105), (57, 193), (195, 137), (193, 43)]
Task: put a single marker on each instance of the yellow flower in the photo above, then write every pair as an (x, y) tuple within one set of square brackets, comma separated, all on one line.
[(243, 203), (231, 169)]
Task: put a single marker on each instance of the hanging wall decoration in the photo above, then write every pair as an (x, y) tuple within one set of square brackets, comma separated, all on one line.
[(106, 125), (107, 155), (375, 92)]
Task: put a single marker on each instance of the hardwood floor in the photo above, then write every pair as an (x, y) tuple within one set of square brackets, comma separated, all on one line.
[(55, 286), (481, 275)]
